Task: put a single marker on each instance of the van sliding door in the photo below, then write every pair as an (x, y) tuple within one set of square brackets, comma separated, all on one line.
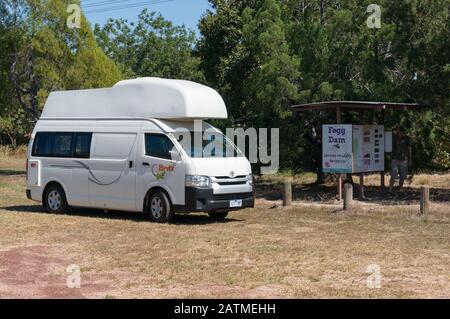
[(112, 176)]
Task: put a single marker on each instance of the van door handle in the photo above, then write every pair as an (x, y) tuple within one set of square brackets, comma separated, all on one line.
[(146, 164)]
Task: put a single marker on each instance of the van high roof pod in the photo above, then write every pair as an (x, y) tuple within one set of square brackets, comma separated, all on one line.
[(138, 98)]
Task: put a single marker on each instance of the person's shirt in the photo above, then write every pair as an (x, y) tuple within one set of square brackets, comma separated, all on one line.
[(400, 147)]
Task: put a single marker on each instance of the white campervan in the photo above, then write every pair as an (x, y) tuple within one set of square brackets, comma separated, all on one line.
[(125, 148)]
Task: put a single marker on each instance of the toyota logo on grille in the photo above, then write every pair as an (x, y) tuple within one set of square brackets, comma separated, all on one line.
[(231, 174)]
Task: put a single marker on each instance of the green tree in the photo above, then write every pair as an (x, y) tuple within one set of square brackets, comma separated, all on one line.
[(224, 60), (43, 55), (245, 55), (151, 47), (338, 58), (272, 82)]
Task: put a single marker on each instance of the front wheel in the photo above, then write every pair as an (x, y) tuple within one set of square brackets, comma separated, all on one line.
[(160, 208), (218, 215)]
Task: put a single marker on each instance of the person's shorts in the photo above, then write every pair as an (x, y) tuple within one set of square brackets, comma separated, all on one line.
[(399, 167)]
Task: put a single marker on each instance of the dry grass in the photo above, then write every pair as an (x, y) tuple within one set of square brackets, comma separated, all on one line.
[(305, 251), (12, 160), (7, 151), (304, 178), (418, 180)]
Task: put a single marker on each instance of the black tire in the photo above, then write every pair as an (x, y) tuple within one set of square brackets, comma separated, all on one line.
[(160, 208), (218, 216), (55, 199)]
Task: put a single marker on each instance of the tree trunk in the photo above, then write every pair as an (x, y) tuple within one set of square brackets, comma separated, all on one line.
[(12, 138), (322, 10), (319, 170)]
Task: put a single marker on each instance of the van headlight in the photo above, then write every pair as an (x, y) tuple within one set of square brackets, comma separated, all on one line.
[(250, 179), (198, 181)]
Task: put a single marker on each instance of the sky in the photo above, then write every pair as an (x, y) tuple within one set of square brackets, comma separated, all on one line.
[(187, 12)]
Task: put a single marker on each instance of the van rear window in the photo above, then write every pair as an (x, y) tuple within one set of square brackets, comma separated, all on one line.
[(62, 144)]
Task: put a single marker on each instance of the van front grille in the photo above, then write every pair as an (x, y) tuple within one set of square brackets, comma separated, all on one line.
[(232, 196), (232, 183), (224, 180), (227, 177)]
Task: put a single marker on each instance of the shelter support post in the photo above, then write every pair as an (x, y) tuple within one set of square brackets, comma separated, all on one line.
[(361, 185), (361, 175), (382, 174), (339, 184)]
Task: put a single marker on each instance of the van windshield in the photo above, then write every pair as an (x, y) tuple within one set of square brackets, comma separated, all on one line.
[(206, 144)]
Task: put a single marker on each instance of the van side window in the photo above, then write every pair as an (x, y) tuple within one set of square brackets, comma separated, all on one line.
[(158, 145), (53, 144), (82, 147), (62, 144)]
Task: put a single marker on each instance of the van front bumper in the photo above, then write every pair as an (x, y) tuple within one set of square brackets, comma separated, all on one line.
[(204, 200)]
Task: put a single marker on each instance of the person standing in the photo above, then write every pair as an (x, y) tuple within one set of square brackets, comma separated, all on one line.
[(401, 157)]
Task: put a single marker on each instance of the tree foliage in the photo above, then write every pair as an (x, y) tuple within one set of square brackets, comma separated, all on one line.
[(264, 55), (41, 54), (152, 46)]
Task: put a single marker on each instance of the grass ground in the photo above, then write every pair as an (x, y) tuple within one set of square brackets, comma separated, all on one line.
[(307, 251)]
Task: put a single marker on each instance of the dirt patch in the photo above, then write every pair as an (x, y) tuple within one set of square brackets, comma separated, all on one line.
[(33, 272)]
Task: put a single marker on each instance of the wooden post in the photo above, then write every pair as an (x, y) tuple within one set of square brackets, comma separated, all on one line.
[(339, 184), (348, 196), (424, 200), (287, 193)]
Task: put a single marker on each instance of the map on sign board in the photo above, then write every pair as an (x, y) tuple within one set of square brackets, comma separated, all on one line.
[(337, 156), (368, 148)]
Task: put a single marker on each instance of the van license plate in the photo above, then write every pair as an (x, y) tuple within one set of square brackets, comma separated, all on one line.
[(236, 203)]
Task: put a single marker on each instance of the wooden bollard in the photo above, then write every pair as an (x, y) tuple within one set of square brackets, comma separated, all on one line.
[(348, 196), (287, 193), (424, 200)]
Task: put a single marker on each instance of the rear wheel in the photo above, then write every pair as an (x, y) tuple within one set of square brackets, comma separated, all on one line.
[(160, 208), (55, 199), (218, 215)]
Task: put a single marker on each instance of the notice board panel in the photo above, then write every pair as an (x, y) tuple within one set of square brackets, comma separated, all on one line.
[(337, 148), (350, 148), (368, 148)]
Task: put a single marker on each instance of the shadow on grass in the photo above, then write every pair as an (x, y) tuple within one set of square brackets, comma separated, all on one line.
[(11, 172), (183, 219)]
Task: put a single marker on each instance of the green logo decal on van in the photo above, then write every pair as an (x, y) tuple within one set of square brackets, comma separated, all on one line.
[(159, 170)]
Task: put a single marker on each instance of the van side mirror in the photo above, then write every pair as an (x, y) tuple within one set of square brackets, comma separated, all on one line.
[(175, 155)]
